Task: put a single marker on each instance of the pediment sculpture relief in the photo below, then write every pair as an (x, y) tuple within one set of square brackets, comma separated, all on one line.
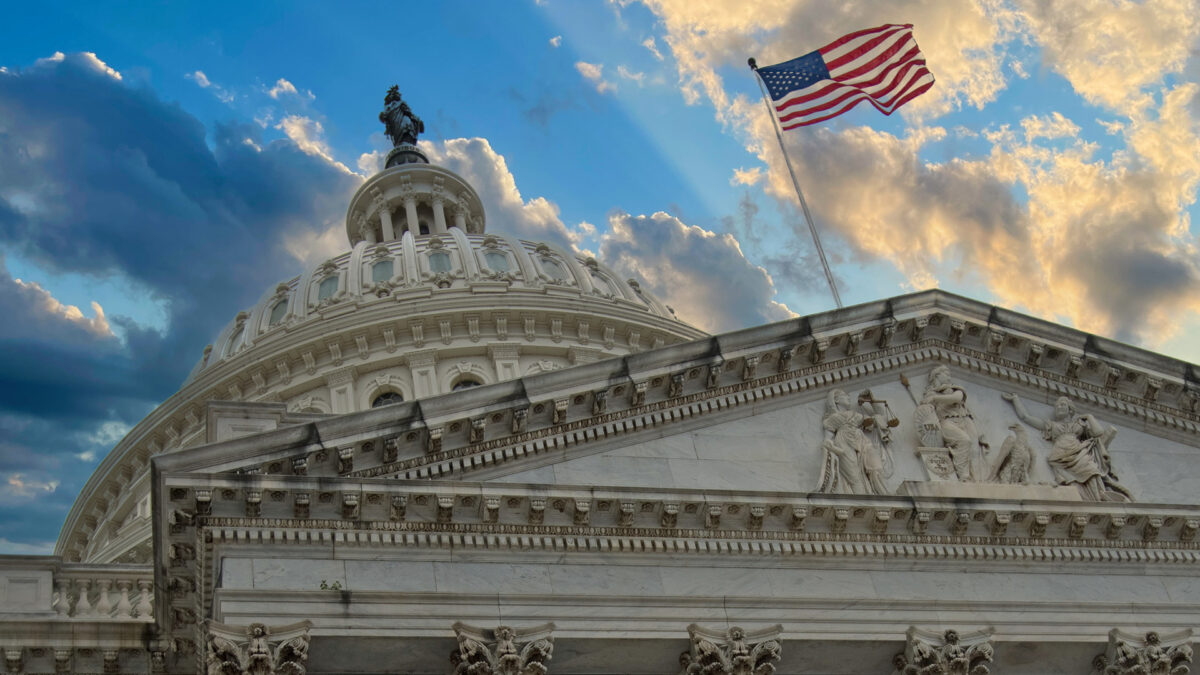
[(857, 452), (944, 420), (857, 444), (1080, 453)]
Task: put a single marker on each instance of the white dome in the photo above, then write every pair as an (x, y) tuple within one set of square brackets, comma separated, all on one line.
[(403, 315)]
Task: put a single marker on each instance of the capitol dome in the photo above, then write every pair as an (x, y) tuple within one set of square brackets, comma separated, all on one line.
[(425, 302)]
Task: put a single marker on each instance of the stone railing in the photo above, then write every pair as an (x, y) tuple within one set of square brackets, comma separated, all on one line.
[(97, 593), (45, 587)]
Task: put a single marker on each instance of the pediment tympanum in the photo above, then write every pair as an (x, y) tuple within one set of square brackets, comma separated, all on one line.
[(936, 403)]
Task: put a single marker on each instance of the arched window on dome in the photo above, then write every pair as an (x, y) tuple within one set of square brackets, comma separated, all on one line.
[(381, 271), (277, 312), (234, 339), (439, 262), (327, 287), (465, 383), (496, 261), (601, 285), (422, 227), (553, 269), (387, 398)]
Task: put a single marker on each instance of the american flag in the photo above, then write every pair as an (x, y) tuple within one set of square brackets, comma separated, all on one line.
[(882, 66)]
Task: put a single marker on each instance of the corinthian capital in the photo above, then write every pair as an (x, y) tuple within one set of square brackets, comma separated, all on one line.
[(732, 652), (504, 651), (927, 653), (1154, 654)]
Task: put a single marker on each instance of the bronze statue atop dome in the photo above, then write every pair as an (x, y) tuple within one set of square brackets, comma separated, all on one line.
[(400, 124)]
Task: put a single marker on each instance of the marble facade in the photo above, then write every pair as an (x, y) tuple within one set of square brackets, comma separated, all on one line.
[(626, 520)]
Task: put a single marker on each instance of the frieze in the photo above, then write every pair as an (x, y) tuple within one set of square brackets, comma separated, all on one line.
[(445, 462)]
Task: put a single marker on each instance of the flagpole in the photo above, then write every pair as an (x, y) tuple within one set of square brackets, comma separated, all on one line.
[(796, 184)]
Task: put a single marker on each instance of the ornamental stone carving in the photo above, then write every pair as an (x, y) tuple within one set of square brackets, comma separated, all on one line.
[(927, 653), (857, 445), (257, 649), (732, 652), (943, 420), (1015, 461), (504, 651), (1080, 453), (1155, 654)]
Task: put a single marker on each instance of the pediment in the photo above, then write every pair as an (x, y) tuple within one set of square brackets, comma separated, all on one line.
[(759, 410)]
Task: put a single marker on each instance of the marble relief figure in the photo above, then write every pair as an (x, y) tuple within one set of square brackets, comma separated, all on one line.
[(1080, 453), (943, 419), (1015, 462), (857, 458)]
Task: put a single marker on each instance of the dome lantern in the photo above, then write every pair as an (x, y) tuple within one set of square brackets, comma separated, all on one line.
[(410, 195)]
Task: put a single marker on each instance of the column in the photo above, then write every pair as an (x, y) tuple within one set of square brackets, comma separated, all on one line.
[(460, 219), (410, 215), (385, 219), (439, 215)]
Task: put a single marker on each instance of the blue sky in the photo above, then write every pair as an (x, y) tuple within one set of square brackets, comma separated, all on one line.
[(162, 164)]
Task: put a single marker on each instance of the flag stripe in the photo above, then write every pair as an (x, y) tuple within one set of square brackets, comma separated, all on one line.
[(848, 93), (871, 47), (878, 86), (881, 65), (842, 93), (926, 81), (857, 35), (886, 53)]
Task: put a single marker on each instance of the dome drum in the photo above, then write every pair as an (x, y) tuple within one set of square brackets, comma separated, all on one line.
[(412, 198)]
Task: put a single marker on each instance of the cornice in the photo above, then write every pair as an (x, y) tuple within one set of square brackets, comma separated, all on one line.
[(608, 399)]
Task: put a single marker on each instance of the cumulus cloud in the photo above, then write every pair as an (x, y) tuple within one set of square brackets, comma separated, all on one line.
[(203, 82), (103, 179), (1111, 50), (959, 36), (199, 78), (40, 303), (474, 159), (17, 485), (1102, 242), (309, 135), (651, 45), (625, 73), (594, 73), (556, 41), (749, 176), (282, 87), (702, 275)]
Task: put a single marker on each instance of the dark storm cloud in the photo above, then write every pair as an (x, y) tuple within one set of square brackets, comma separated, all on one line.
[(106, 180)]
